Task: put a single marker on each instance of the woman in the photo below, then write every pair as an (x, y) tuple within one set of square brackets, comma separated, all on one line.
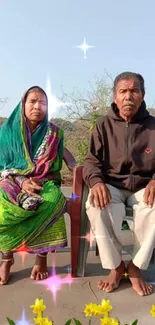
[(31, 202)]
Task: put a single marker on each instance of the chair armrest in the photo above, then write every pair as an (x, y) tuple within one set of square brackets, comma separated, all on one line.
[(78, 181), (74, 204), (69, 159)]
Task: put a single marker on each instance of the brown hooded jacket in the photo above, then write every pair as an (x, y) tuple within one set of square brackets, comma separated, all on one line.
[(121, 153)]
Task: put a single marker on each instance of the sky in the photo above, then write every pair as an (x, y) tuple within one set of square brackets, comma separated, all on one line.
[(38, 40)]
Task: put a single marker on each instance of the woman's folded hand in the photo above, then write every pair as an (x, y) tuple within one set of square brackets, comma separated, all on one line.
[(32, 186)]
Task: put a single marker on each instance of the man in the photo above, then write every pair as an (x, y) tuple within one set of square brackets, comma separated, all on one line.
[(119, 170)]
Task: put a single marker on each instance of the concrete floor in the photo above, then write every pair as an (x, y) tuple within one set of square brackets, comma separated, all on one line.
[(70, 300)]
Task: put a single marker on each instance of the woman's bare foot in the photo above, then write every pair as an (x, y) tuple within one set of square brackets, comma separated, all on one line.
[(112, 281), (5, 270), (40, 271), (138, 284)]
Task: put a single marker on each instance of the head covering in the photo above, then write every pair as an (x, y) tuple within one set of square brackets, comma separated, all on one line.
[(18, 146)]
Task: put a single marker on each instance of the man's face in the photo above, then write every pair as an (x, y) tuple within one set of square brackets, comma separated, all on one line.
[(128, 97)]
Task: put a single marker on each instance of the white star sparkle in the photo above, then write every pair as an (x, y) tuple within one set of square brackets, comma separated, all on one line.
[(84, 47), (23, 320), (53, 102)]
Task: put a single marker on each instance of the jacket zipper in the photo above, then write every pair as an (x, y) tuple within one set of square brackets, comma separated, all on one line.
[(126, 139)]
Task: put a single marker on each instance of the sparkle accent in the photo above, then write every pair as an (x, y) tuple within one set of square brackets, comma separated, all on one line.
[(90, 237), (73, 196), (53, 102), (68, 268), (22, 252), (23, 320), (126, 275), (84, 47), (54, 282)]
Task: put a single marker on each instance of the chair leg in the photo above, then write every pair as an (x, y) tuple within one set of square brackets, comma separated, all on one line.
[(84, 248), (84, 245), (97, 251), (153, 258), (75, 241)]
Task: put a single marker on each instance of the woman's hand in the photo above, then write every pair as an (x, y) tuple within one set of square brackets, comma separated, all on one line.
[(31, 186)]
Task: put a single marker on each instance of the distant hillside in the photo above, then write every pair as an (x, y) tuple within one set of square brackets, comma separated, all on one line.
[(64, 124)]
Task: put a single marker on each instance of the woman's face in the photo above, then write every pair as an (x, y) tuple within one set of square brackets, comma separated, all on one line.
[(35, 106)]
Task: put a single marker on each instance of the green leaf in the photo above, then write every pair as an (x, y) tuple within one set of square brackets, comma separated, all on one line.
[(135, 322), (77, 322), (10, 321), (68, 322)]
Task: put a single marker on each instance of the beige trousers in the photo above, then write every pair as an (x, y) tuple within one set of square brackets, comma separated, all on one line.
[(106, 226)]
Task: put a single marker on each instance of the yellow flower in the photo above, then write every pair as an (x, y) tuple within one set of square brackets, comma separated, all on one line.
[(38, 320), (89, 309), (47, 321), (108, 321), (42, 321), (105, 306), (96, 311), (38, 307), (114, 322), (105, 321), (152, 311)]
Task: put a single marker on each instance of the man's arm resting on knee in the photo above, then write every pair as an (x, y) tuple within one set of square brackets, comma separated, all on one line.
[(100, 196), (94, 162), (149, 194), (93, 171)]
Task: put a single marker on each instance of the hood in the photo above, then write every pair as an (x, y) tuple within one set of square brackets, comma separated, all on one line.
[(140, 115)]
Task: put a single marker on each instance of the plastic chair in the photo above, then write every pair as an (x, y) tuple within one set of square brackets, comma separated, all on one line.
[(79, 222), (80, 225)]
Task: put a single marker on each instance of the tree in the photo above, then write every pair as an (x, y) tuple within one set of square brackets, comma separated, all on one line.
[(83, 110), (87, 106), (3, 101)]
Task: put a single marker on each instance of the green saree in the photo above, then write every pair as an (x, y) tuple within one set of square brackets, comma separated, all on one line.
[(24, 155)]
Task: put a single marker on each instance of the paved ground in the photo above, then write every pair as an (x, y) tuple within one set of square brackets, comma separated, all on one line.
[(71, 299)]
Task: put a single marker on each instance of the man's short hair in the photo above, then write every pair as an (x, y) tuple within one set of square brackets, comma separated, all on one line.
[(129, 75)]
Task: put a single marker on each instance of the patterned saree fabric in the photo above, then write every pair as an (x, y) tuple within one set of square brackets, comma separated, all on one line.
[(35, 223)]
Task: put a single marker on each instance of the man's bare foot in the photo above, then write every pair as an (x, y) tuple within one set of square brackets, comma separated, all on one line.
[(112, 281), (40, 271), (5, 271), (138, 284)]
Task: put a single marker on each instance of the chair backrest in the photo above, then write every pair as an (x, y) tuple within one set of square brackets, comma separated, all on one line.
[(69, 159)]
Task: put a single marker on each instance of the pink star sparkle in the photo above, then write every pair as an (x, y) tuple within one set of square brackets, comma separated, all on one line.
[(54, 282), (89, 237)]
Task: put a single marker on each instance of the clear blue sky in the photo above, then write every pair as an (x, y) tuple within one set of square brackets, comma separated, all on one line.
[(38, 39)]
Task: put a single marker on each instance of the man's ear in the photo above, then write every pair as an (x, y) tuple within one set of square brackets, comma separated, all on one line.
[(114, 98)]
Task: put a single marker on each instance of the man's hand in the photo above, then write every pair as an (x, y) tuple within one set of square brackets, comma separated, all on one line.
[(149, 194), (100, 196), (31, 186)]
